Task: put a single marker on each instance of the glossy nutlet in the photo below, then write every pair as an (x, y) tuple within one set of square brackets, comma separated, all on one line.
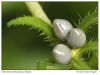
[(62, 54), (76, 38), (61, 28)]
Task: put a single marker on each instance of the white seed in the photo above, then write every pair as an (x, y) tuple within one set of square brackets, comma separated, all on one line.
[(62, 54), (61, 28), (76, 38)]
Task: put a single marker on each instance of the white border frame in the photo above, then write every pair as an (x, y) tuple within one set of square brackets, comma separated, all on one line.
[(51, 0), (48, 72)]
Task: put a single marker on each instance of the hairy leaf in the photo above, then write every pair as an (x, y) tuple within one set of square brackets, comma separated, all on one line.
[(79, 64), (89, 20), (90, 46), (89, 24), (32, 22), (88, 49), (36, 23)]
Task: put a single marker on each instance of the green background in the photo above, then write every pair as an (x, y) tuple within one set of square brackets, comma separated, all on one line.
[(23, 48)]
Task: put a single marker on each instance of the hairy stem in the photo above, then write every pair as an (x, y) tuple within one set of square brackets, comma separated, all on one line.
[(36, 10)]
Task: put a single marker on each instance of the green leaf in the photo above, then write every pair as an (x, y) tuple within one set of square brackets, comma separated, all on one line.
[(80, 65), (52, 65), (58, 66), (41, 65), (92, 34), (89, 20), (90, 46), (93, 61), (89, 24), (32, 22), (89, 60), (36, 23)]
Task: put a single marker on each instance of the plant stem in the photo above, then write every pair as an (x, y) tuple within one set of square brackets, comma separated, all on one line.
[(75, 52), (36, 10)]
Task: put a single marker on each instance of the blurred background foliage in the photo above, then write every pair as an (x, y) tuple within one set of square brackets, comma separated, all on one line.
[(23, 48)]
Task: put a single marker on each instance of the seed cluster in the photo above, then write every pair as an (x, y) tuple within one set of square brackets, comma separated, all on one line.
[(74, 37)]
